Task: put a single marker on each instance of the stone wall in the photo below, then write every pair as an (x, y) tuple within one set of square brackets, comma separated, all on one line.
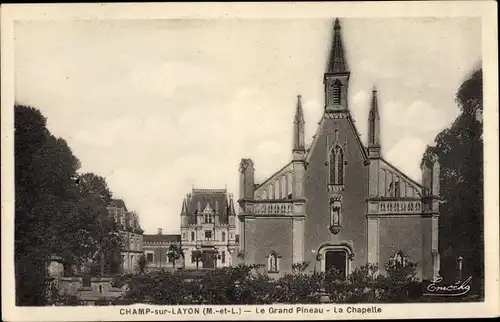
[(89, 291)]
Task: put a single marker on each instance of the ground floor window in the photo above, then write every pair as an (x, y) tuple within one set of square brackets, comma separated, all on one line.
[(149, 257)]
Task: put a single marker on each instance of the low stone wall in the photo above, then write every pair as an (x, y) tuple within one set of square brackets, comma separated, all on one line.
[(97, 288)]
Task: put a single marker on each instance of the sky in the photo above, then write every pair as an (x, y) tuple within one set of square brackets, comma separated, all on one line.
[(158, 107)]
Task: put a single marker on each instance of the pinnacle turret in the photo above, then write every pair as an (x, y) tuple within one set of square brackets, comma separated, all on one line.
[(374, 127), (298, 127), (184, 210)]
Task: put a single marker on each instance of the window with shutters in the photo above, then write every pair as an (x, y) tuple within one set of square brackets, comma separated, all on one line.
[(336, 92)]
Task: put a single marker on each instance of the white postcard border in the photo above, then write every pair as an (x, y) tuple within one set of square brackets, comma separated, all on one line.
[(484, 9)]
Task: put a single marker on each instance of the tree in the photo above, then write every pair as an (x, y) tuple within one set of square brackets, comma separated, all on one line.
[(45, 193), (174, 252), (141, 262), (460, 152), (197, 257), (95, 197), (57, 216)]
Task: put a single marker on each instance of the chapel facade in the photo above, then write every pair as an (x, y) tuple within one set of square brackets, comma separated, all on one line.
[(338, 203)]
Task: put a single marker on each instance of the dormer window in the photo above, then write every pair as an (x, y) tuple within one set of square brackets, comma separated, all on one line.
[(208, 218)]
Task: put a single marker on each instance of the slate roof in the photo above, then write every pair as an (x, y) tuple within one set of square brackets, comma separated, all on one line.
[(163, 239), (211, 197), (337, 62), (118, 203)]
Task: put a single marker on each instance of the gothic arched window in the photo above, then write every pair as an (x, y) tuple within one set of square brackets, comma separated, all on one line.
[(337, 166), (264, 194), (290, 185), (336, 92), (395, 189), (283, 188), (277, 189)]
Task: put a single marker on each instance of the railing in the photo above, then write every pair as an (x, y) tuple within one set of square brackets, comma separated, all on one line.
[(270, 208), (206, 242), (402, 206)]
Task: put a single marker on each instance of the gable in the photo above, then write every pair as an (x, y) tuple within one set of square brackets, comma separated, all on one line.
[(208, 210), (208, 200), (321, 125), (389, 174)]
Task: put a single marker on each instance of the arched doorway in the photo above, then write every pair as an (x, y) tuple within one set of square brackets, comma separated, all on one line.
[(336, 257)]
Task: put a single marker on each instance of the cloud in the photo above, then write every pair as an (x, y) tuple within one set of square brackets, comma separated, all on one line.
[(406, 155), (173, 103), (165, 78), (418, 116), (361, 98), (360, 108)]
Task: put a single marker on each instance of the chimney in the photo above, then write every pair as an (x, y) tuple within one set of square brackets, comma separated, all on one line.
[(159, 231)]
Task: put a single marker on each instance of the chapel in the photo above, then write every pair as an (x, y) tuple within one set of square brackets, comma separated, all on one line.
[(339, 203)]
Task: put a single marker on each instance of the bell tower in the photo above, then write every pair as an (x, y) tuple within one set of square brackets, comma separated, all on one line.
[(336, 77)]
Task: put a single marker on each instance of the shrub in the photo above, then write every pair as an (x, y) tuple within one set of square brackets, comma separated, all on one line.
[(298, 287), (244, 284), (359, 287)]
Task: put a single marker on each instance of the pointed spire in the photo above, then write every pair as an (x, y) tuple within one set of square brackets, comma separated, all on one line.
[(184, 210), (374, 107), (374, 127), (298, 127), (232, 212), (216, 206), (299, 113), (337, 62)]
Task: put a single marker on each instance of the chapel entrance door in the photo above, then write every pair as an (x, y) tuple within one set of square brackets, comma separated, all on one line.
[(336, 259)]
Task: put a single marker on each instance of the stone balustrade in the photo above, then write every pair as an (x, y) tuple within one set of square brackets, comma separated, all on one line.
[(399, 206), (273, 208)]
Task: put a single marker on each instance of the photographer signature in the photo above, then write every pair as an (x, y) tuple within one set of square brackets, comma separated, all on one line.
[(457, 289)]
